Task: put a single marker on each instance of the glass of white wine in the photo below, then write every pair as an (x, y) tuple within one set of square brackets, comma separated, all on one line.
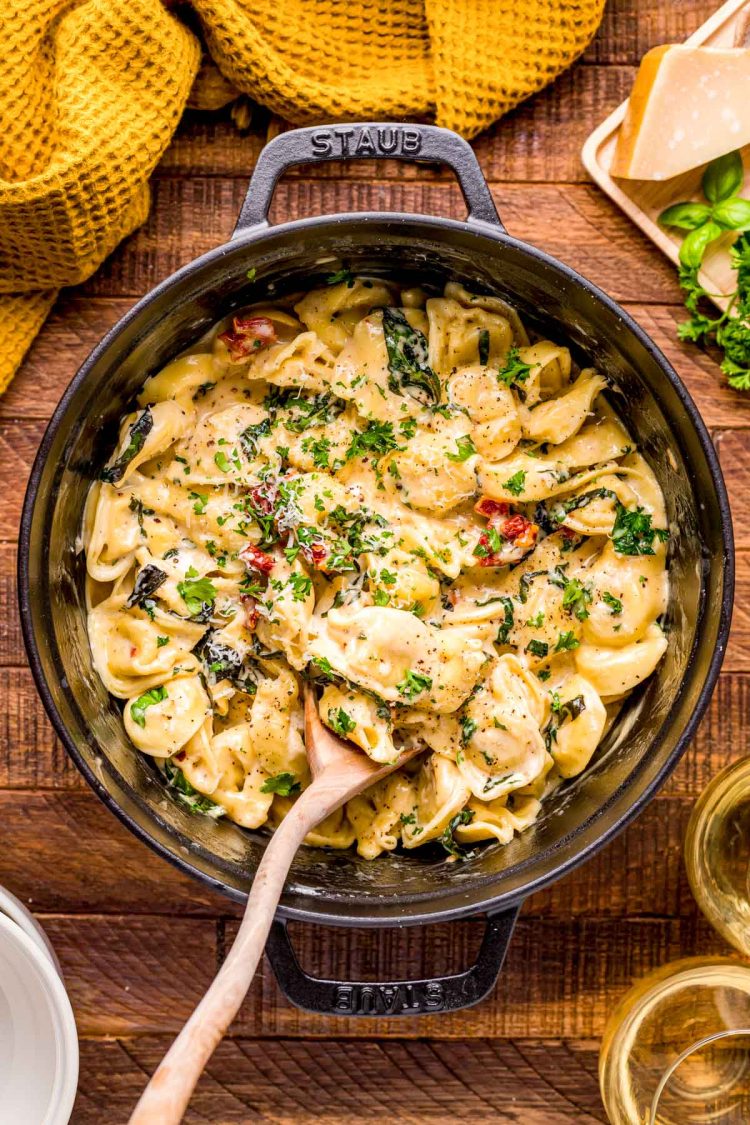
[(676, 1050), (717, 853)]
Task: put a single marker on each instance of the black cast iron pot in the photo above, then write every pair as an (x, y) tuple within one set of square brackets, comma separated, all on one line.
[(659, 720)]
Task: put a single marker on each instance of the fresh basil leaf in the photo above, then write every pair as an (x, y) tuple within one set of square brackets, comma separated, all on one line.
[(408, 358), (685, 216), (733, 214), (723, 177), (696, 243)]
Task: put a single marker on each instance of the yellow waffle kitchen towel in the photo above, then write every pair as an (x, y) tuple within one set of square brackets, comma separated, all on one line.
[(91, 92)]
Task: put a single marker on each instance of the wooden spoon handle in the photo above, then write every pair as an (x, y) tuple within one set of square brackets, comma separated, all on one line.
[(165, 1098), (742, 28)]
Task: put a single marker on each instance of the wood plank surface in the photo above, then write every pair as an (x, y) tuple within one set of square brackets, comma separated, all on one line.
[(292, 1082), (575, 223), (137, 939)]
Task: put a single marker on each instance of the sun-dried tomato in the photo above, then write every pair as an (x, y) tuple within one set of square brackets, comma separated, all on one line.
[(249, 334), (250, 606), (255, 559), (263, 498), (515, 526), (491, 509)]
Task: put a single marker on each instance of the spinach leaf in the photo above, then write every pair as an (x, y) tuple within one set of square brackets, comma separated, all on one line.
[(221, 662), (407, 358), (508, 621), (188, 795), (446, 838), (148, 699), (139, 431), (570, 709), (148, 579)]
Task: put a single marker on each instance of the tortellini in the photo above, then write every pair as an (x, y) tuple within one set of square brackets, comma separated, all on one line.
[(394, 495)]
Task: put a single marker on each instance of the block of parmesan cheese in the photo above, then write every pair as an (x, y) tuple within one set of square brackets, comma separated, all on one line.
[(688, 106)]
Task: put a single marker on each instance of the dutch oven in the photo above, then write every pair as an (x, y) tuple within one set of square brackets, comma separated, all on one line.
[(339, 888)]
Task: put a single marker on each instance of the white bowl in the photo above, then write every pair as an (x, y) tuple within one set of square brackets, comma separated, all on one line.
[(22, 916), (38, 1040)]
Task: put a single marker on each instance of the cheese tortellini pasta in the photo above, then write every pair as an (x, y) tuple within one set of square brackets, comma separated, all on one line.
[(396, 495)]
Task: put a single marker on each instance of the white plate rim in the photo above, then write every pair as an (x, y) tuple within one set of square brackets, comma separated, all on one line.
[(12, 907), (66, 1079)]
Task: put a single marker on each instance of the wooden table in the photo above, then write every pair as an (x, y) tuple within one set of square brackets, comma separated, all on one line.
[(139, 942)]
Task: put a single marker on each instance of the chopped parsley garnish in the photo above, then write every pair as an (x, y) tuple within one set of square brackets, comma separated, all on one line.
[(632, 533), (201, 499), (340, 722), (576, 598), (222, 461), (515, 370), (342, 275), (465, 449), (301, 586), (537, 648), (614, 603), (319, 410), (516, 483), (285, 784), (413, 684), (323, 664), (162, 641), (198, 594), (566, 642), (376, 439), (489, 544), (148, 699), (381, 597), (318, 448)]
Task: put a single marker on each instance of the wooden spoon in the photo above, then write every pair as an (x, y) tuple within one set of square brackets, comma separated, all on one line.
[(338, 772)]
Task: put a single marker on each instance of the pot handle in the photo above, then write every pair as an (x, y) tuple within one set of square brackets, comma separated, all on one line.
[(392, 998), (371, 141)]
